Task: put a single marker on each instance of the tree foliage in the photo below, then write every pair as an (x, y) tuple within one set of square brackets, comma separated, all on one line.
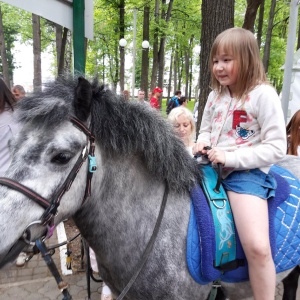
[(173, 35), (9, 31)]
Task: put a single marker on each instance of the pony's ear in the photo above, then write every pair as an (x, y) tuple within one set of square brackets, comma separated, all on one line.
[(83, 99)]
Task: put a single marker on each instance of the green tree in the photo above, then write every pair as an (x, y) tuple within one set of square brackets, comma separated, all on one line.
[(8, 35), (173, 30)]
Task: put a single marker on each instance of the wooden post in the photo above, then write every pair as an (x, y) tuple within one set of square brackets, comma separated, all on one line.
[(78, 36)]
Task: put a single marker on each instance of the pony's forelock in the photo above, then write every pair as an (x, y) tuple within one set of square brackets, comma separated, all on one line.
[(50, 106)]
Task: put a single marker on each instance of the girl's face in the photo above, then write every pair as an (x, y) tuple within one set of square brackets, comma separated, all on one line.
[(225, 70), (183, 127)]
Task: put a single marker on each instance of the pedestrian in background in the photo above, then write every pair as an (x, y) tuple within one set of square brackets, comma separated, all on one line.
[(156, 95), (141, 97), (8, 125), (126, 95), (195, 112), (8, 129), (18, 91), (182, 120), (150, 94), (183, 101), (173, 102)]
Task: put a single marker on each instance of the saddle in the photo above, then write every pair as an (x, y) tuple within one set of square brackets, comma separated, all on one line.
[(284, 217)]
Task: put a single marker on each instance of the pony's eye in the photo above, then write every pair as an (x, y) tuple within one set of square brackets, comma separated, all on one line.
[(61, 158)]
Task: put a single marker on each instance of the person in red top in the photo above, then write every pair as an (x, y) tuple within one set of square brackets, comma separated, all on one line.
[(154, 102)]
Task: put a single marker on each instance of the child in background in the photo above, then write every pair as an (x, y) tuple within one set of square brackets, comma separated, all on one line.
[(244, 124)]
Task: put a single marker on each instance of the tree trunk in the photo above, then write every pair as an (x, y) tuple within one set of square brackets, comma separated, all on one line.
[(187, 70), (250, 15), (145, 52), (175, 86), (217, 15), (155, 47), (115, 57), (122, 50), (161, 52), (180, 71), (37, 62), (61, 41), (298, 37), (188, 57), (170, 75), (58, 42), (260, 23), (69, 53), (5, 68), (267, 47), (191, 77)]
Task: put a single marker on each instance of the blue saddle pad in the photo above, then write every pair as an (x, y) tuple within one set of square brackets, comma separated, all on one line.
[(284, 220)]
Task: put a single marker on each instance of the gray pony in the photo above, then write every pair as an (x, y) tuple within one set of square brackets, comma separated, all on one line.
[(138, 158)]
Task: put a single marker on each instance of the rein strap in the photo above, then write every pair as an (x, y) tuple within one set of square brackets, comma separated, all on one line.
[(25, 190), (150, 244)]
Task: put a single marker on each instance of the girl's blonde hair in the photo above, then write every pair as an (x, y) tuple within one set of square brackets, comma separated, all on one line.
[(293, 133), (242, 45), (181, 110)]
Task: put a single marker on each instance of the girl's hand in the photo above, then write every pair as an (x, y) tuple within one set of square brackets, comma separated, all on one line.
[(216, 155), (198, 148)]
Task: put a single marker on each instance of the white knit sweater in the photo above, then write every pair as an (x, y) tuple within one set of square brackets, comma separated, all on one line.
[(260, 138)]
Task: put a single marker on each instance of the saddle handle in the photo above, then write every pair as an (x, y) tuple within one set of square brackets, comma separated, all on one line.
[(206, 161)]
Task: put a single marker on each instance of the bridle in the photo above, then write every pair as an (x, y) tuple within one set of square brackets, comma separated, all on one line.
[(51, 206), (47, 219)]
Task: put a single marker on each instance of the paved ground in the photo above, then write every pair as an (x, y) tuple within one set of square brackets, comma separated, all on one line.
[(35, 282)]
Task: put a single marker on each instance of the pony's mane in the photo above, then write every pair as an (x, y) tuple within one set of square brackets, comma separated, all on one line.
[(121, 128)]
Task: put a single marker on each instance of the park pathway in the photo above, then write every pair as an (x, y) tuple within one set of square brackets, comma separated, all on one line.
[(35, 282)]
